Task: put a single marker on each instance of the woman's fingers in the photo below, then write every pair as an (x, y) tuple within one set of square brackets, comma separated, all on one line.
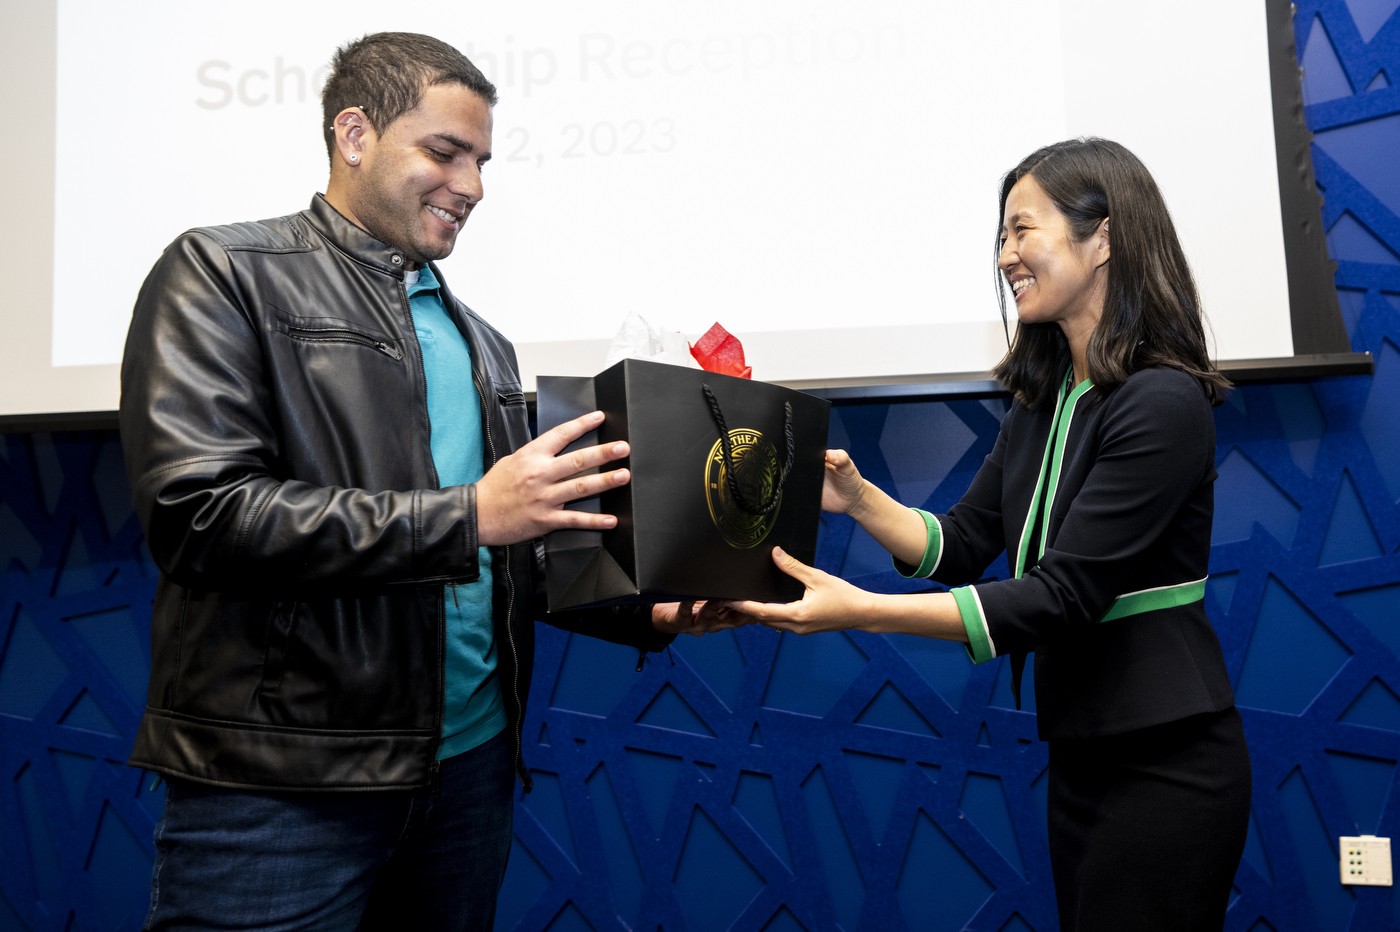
[(761, 612), (796, 568)]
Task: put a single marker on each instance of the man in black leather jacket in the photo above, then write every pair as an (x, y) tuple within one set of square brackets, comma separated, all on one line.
[(275, 422)]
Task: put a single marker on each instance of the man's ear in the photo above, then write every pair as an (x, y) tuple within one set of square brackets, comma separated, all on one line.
[(354, 136)]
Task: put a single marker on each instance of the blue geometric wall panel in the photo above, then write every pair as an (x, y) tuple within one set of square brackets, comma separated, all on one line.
[(75, 614), (756, 781)]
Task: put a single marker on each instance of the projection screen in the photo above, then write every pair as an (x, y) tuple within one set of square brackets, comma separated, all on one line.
[(819, 177)]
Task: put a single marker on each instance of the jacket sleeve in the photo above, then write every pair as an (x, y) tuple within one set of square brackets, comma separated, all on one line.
[(202, 452), (1155, 448), (629, 625), (964, 542)]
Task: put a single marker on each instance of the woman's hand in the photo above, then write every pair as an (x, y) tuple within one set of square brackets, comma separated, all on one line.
[(842, 486), (829, 604), (896, 528), (694, 618)]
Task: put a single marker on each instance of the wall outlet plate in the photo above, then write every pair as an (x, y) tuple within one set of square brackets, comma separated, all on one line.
[(1365, 860)]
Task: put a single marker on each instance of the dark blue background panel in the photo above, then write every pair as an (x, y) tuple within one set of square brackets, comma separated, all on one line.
[(754, 781)]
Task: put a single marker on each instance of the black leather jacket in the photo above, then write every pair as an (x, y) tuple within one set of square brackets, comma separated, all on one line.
[(275, 424)]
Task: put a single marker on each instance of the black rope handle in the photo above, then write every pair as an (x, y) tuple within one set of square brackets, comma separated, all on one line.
[(767, 507)]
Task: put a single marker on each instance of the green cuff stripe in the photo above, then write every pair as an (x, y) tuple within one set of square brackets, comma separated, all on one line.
[(933, 550), (1150, 600), (979, 644)]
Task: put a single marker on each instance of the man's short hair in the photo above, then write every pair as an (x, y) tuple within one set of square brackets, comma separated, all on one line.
[(386, 74)]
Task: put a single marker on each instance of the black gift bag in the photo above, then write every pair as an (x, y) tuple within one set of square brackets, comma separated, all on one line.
[(704, 508)]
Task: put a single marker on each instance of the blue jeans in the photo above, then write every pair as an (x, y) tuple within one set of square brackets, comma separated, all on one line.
[(407, 859)]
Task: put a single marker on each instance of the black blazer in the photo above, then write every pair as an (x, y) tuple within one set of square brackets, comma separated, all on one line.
[(1132, 511)]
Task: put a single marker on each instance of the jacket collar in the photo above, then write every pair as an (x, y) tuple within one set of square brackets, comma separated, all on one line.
[(357, 243)]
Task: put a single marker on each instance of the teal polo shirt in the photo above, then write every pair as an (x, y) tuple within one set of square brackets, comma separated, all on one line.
[(472, 709)]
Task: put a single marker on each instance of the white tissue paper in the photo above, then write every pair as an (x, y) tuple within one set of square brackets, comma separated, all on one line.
[(640, 340)]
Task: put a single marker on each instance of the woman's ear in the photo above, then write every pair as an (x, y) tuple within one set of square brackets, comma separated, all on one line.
[(1101, 248)]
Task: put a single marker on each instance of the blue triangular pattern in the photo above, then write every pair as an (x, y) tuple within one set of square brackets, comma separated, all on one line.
[(714, 882), (1315, 847), (1363, 150), (810, 674), (1349, 535), (784, 921), (1350, 240), (1379, 609), (656, 778), (617, 844), (119, 863), (1291, 655), (877, 779), (1241, 481), (757, 801), (939, 889), (1323, 77), (546, 803), (669, 710), (1254, 852), (891, 710), (1371, 15), (1376, 706), (74, 774), (983, 801), (30, 670), (86, 714), (1365, 783)]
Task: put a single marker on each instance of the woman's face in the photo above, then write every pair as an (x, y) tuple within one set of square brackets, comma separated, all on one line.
[(1054, 279)]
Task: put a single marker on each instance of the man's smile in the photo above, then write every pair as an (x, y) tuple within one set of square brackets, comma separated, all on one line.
[(451, 219)]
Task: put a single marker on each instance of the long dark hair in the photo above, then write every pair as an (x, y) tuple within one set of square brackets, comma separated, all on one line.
[(1151, 313)]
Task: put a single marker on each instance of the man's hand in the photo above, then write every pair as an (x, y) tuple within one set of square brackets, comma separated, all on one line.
[(695, 618), (523, 495)]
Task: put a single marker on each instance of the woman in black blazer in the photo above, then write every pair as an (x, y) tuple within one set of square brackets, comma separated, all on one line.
[(1100, 490)]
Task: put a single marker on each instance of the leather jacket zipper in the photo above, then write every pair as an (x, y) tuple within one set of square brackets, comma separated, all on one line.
[(434, 769), (510, 603), (328, 335)]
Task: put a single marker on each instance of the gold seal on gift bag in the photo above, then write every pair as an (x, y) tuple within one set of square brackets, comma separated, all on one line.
[(756, 472)]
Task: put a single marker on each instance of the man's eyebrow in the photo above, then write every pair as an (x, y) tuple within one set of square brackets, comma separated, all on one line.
[(454, 141)]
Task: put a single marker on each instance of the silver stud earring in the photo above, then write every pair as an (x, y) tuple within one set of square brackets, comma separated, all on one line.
[(354, 159)]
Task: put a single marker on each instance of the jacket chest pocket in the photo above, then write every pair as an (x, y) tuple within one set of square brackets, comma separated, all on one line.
[(509, 394), (331, 330), (510, 401)]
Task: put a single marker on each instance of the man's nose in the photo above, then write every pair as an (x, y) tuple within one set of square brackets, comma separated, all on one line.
[(466, 182)]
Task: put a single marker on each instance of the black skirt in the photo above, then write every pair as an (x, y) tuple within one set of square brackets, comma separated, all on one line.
[(1147, 828)]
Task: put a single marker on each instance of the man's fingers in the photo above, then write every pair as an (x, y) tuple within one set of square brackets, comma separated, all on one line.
[(586, 486), (557, 438), (579, 521), (578, 461)]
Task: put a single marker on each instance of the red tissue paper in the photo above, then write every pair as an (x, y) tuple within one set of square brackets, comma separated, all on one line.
[(720, 351)]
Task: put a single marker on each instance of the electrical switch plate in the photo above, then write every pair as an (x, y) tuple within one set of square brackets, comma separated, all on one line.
[(1366, 861)]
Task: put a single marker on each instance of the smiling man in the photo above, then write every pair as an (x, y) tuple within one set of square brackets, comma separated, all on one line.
[(331, 459)]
